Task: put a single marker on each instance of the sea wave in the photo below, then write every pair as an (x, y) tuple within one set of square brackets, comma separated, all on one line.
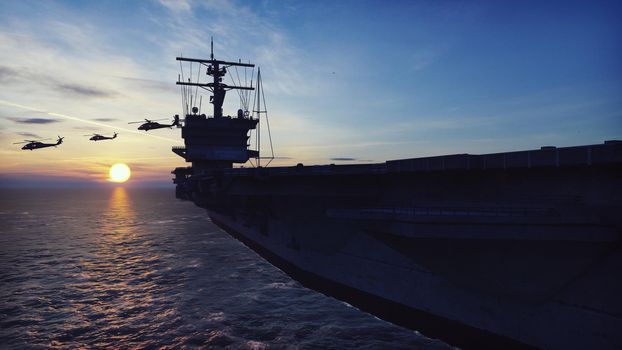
[(132, 269)]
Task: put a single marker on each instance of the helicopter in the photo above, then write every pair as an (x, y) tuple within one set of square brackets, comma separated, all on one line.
[(32, 144), (152, 124), (98, 137)]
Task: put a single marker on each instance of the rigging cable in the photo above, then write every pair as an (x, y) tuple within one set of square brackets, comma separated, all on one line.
[(234, 84), (183, 90), (263, 95), (241, 92), (196, 90)]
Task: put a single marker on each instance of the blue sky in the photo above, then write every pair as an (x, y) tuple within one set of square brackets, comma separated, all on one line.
[(368, 80)]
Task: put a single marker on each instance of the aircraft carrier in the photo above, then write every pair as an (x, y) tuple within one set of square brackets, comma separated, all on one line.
[(506, 250)]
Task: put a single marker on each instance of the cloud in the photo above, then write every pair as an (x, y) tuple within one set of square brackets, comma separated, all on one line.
[(7, 74), (65, 116), (344, 159), (176, 5), (82, 90), (35, 120), (278, 55), (350, 159), (105, 119), (86, 128), (151, 84), (29, 134), (27, 76)]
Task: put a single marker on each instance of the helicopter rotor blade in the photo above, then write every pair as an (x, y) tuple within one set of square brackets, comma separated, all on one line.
[(31, 141), (28, 141), (147, 121)]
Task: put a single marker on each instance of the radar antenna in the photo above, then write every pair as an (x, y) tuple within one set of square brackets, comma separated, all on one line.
[(217, 69)]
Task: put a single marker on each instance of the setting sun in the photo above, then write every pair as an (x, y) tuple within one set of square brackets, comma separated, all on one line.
[(119, 173)]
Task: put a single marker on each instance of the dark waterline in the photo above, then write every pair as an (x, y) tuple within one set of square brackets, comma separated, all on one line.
[(137, 268)]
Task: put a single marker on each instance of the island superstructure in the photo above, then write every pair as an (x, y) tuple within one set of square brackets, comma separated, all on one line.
[(513, 250)]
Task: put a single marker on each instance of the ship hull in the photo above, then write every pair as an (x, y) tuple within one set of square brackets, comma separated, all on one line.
[(426, 322), (476, 256)]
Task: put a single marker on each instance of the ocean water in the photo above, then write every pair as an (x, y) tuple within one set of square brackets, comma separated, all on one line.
[(124, 268)]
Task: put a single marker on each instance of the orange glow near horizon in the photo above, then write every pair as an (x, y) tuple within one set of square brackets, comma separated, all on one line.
[(119, 173)]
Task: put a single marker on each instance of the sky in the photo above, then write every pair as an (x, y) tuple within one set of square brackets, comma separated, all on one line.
[(345, 81)]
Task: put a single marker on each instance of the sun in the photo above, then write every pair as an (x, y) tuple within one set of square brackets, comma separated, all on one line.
[(119, 173)]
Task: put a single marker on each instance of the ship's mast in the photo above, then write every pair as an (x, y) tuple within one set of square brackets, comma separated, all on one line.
[(217, 141), (217, 70)]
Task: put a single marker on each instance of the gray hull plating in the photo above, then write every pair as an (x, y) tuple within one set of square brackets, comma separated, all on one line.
[(520, 256)]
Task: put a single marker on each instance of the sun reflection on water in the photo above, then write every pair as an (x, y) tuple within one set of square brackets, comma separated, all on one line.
[(118, 281), (119, 217)]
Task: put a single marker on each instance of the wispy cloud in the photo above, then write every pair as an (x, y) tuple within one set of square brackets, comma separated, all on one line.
[(278, 56), (35, 120), (7, 74), (29, 134), (83, 90), (86, 128), (151, 84), (30, 77), (105, 119), (347, 159), (178, 6), (65, 116)]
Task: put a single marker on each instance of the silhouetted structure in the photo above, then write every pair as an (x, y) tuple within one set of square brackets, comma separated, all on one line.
[(511, 250)]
